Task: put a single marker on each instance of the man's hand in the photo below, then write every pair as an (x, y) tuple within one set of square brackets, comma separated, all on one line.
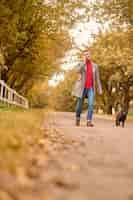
[(100, 92), (79, 76)]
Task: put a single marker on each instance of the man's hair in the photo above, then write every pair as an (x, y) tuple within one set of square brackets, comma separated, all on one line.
[(86, 50)]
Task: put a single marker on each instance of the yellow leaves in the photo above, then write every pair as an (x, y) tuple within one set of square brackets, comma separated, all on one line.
[(4, 195), (117, 13), (14, 143), (2, 60), (62, 92), (18, 130), (22, 178)]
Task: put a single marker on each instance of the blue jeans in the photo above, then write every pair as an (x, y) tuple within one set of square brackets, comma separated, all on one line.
[(89, 93)]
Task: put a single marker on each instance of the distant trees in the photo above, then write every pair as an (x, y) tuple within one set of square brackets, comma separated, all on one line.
[(115, 49), (62, 99), (116, 13), (113, 52)]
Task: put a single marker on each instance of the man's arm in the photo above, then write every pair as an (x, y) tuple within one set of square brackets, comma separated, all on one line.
[(79, 67), (98, 81)]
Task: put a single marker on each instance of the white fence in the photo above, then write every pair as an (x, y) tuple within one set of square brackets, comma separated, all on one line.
[(11, 97)]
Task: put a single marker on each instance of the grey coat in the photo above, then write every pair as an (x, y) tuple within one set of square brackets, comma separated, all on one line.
[(79, 85)]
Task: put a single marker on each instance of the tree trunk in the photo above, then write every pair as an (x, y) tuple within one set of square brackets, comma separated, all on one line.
[(109, 109), (126, 101)]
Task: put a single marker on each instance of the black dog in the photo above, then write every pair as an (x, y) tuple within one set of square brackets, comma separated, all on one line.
[(121, 118)]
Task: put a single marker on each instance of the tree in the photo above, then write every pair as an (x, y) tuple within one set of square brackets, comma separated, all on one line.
[(63, 100), (34, 35), (118, 12), (113, 52)]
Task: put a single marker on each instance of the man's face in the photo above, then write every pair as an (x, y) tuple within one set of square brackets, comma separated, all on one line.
[(87, 55)]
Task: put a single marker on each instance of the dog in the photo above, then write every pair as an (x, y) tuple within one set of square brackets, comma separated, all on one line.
[(121, 118)]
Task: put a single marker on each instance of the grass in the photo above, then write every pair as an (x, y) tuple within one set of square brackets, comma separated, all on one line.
[(19, 131), (130, 116)]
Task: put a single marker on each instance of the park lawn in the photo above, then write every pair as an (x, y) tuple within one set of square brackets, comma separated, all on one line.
[(20, 130), (130, 117)]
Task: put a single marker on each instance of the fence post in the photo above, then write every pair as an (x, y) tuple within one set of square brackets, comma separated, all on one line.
[(10, 96), (1, 92)]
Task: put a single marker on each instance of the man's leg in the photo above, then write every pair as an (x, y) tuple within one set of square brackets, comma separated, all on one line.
[(78, 110), (90, 106), (79, 107)]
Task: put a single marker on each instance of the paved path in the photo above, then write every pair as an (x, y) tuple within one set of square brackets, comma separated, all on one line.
[(95, 163)]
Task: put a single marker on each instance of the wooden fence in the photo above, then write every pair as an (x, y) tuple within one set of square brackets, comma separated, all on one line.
[(11, 97)]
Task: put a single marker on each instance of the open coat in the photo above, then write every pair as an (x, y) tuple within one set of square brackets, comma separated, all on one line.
[(79, 85)]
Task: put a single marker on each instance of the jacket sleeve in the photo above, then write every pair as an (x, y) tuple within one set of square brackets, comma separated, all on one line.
[(98, 81), (79, 67)]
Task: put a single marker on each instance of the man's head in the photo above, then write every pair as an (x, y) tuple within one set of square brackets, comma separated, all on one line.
[(87, 55)]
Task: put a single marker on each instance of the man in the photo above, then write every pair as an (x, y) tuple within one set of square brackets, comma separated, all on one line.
[(85, 87)]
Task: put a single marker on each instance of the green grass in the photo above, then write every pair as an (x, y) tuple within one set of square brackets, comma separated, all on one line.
[(19, 132)]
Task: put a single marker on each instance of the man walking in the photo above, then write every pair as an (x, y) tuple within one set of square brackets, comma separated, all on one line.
[(85, 87)]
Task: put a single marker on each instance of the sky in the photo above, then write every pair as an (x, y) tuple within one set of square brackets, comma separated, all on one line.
[(82, 33)]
